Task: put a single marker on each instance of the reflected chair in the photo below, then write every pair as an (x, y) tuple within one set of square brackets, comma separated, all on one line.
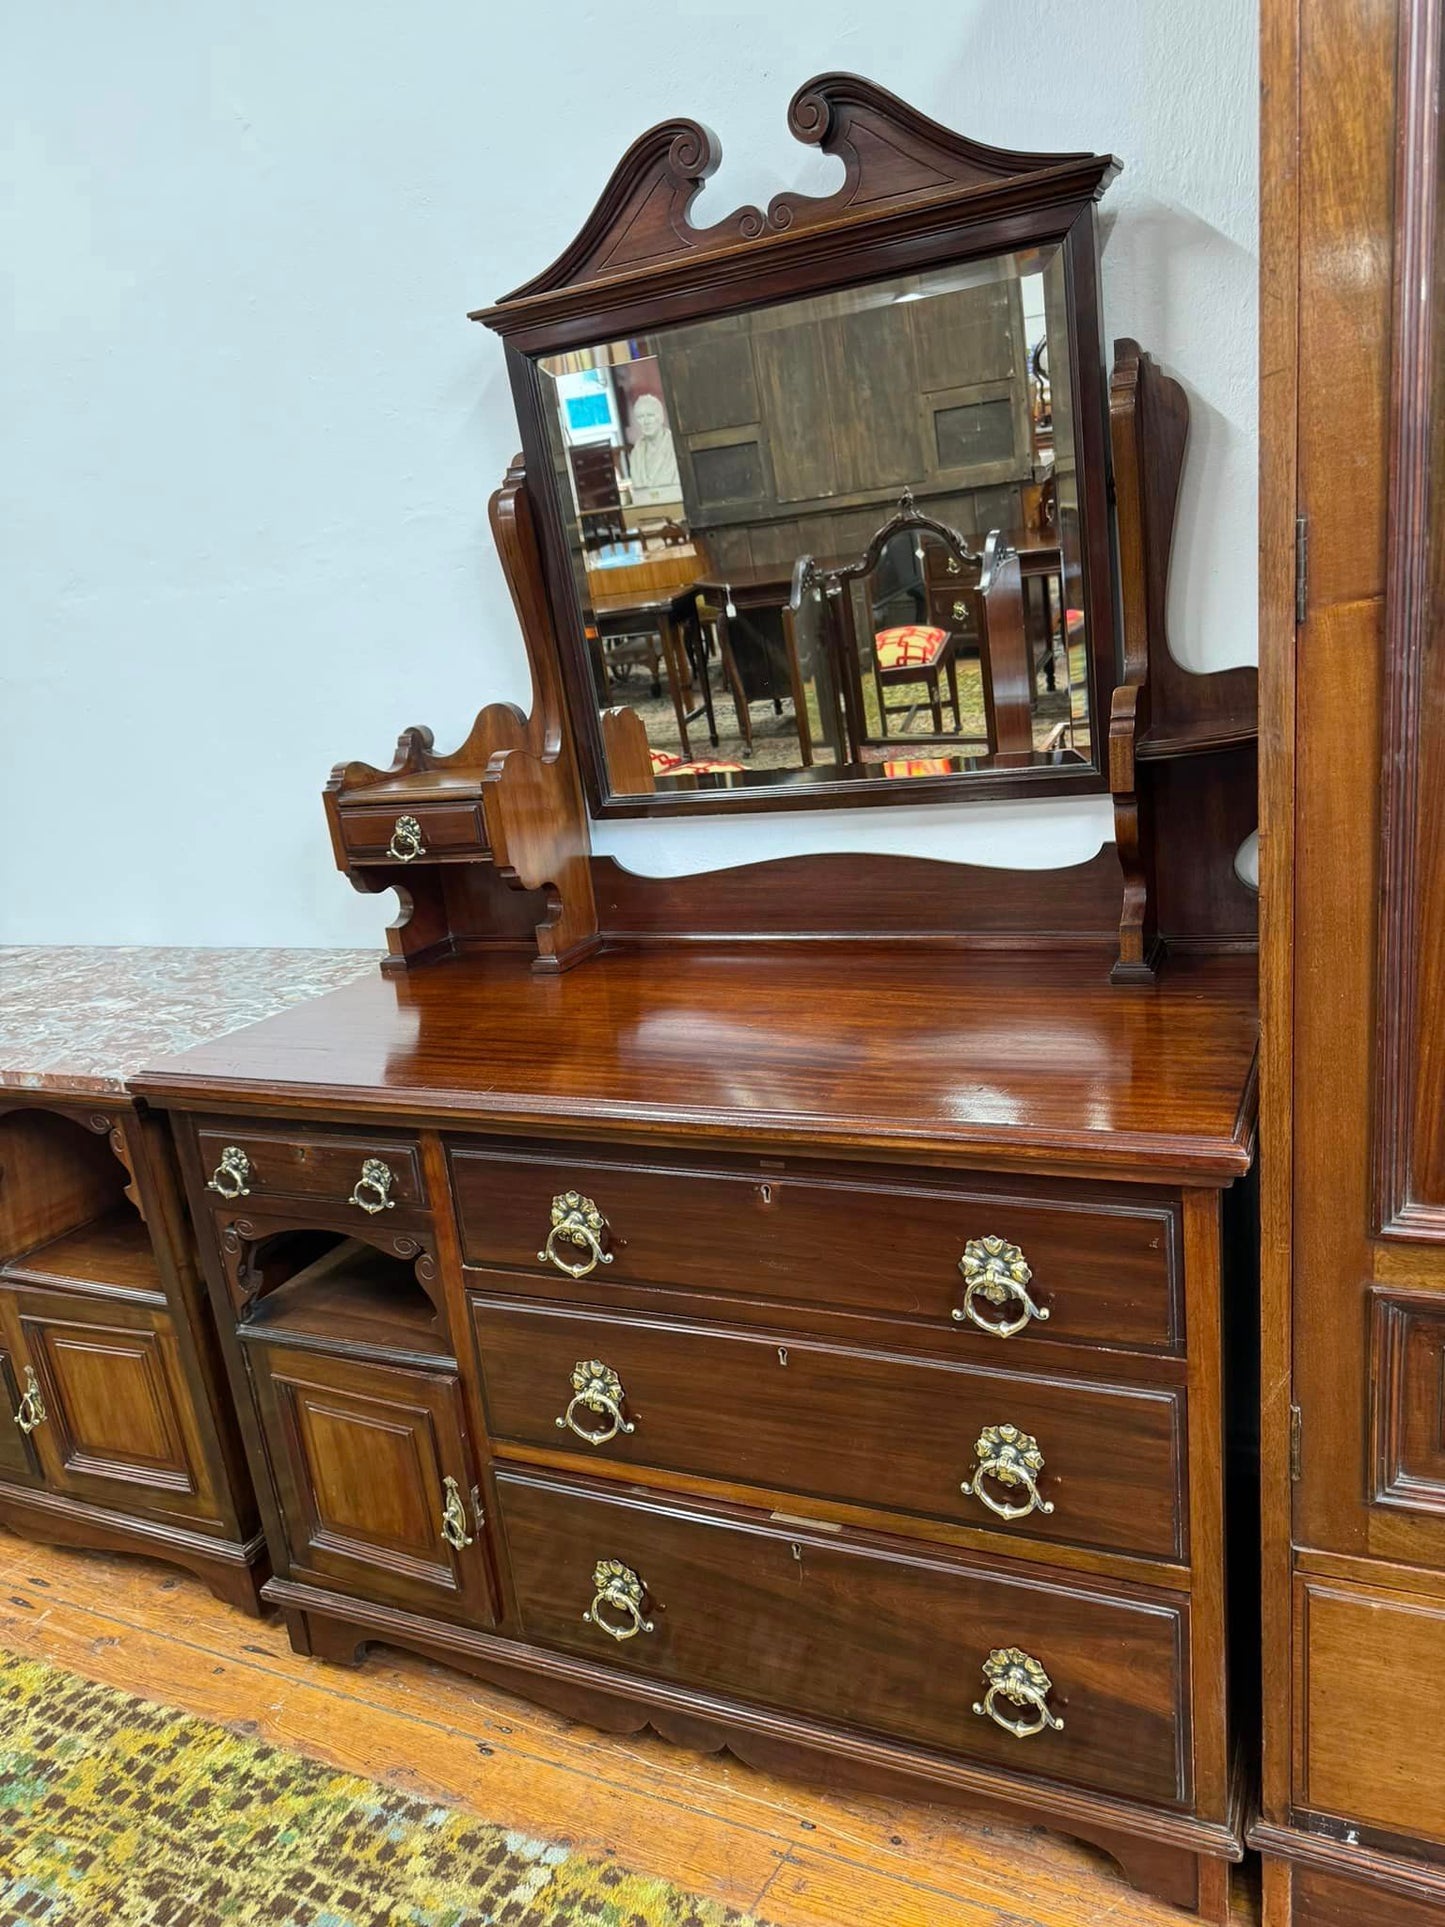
[(891, 578)]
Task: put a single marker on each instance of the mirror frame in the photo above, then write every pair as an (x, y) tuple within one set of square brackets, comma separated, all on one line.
[(915, 196)]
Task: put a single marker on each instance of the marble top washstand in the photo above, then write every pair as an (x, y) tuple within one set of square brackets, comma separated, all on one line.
[(84, 1019)]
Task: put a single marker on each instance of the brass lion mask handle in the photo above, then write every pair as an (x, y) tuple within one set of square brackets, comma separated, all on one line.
[(575, 1221), (617, 1590), (230, 1175), (996, 1273), (372, 1191), (596, 1388), (406, 844), (1017, 1677), (1012, 1458)]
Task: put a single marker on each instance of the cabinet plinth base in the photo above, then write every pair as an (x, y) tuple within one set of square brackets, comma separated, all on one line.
[(235, 1570), (1172, 1857)]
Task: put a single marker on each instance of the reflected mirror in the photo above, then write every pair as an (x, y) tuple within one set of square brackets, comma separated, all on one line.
[(833, 540)]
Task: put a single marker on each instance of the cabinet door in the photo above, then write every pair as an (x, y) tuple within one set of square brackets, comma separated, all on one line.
[(118, 1428), (369, 1462), (17, 1454)]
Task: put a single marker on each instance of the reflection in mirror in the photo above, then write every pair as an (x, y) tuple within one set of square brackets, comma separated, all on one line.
[(833, 539)]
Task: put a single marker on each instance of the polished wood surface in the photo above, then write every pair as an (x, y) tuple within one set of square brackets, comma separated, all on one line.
[(1354, 1573), (1373, 1744), (119, 1428), (312, 1164), (1026, 1060), (109, 1256), (107, 1350), (1105, 1267), (834, 1422), (365, 1451), (740, 1835), (854, 895), (874, 1638), (1409, 1141), (361, 1555)]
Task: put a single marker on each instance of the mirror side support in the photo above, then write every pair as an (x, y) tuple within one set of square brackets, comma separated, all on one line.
[(1182, 746)]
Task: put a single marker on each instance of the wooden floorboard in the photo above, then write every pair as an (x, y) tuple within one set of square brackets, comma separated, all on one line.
[(800, 1858)]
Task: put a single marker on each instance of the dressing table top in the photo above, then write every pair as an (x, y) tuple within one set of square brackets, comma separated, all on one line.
[(1023, 1059)]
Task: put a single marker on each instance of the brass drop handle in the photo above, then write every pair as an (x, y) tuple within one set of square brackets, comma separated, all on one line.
[(31, 1410), (960, 612), (406, 844), (617, 1588), (596, 1388), (575, 1221), (375, 1182), (454, 1517), (230, 1175), (1018, 1678), (996, 1273), (1014, 1459)]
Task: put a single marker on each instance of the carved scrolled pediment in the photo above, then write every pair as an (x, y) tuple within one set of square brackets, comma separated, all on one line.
[(894, 158)]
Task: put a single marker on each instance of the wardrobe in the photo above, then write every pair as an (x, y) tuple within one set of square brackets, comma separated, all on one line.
[(1352, 1822)]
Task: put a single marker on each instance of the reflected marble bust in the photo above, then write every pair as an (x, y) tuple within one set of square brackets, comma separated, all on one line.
[(652, 465)]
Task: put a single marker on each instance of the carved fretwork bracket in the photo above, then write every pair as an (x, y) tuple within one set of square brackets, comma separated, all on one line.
[(117, 1139), (259, 1257), (1181, 755)]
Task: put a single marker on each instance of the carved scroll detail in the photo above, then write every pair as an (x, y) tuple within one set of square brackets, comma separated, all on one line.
[(893, 158)]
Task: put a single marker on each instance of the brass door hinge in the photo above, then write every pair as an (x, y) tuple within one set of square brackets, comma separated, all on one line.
[(1296, 1441), (1301, 567)]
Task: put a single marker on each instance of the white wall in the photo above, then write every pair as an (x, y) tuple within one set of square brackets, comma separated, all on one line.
[(250, 434)]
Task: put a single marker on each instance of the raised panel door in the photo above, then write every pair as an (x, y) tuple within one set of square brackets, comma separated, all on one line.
[(118, 1425), (374, 1480)]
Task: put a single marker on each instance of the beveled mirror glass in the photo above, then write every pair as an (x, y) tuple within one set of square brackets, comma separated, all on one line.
[(822, 488), (713, 476)]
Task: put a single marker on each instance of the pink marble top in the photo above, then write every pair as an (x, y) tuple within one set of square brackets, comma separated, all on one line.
[(86, 1019)]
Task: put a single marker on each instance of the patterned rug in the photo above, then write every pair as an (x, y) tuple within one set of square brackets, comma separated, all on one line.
[(118, 1813)]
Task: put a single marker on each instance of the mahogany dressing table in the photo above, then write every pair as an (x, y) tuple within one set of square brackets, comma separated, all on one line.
[(791, 1307)]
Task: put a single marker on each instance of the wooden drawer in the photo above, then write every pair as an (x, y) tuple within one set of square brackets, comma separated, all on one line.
[(444, 830), (858, 1633), (1327, 1900), (284, 1161), (1101, 1271), (1371, 1690), (859, 1427)]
